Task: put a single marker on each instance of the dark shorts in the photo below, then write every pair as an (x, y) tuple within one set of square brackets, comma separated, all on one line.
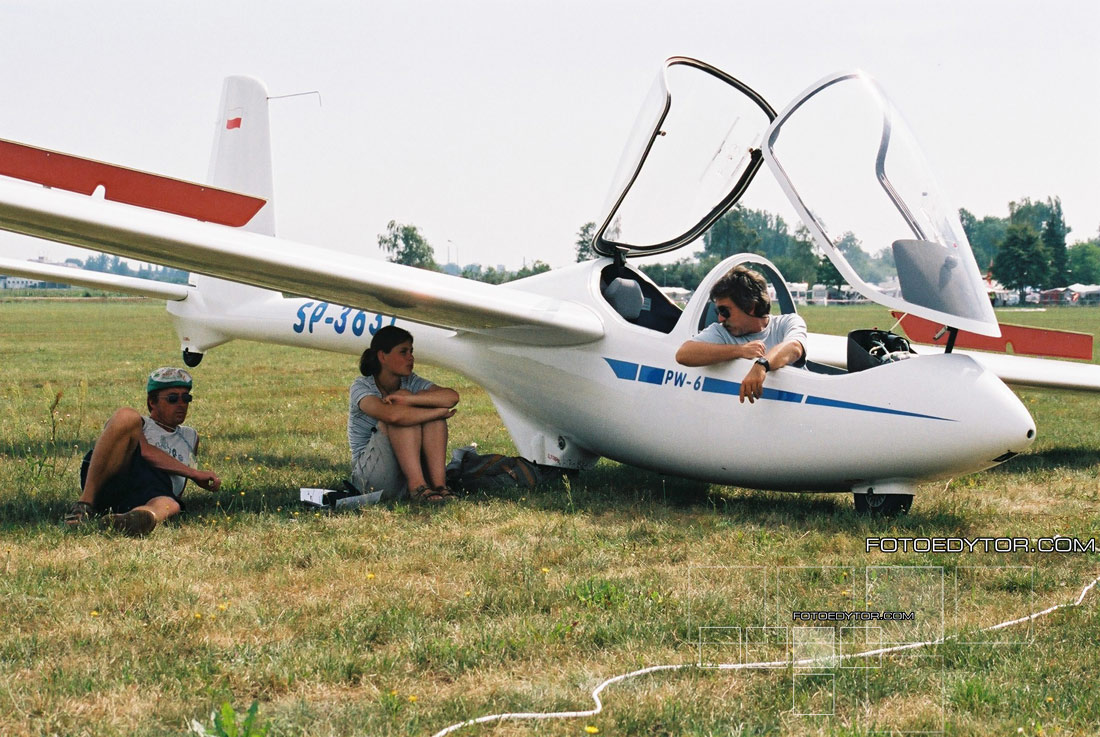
[(132, 486)]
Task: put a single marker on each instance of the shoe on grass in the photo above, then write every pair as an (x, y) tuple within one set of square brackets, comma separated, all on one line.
[(79, 513), (135, 523)]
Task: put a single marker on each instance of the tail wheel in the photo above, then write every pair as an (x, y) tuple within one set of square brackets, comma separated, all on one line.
[(191, 359)]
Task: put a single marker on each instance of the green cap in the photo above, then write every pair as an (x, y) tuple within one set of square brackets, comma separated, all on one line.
[(167, 377)]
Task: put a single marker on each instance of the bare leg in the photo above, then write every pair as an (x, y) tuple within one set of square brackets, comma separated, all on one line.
[(141, 520), (162, 507), (112, 451), (407, 442), (434, 452)]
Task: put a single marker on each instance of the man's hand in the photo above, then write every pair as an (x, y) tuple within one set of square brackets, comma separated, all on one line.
[(752, 386), (207, 480), (753, 349)]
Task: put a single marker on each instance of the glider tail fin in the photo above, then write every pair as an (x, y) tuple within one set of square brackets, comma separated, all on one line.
[(241, 162)]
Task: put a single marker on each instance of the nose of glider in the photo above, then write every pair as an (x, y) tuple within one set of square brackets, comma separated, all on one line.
[(1010, 427)]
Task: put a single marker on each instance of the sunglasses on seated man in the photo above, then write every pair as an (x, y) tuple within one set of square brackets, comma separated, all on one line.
[(174, 397), (724, 311)]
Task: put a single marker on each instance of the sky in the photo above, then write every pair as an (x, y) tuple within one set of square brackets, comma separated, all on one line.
[(495, 127)]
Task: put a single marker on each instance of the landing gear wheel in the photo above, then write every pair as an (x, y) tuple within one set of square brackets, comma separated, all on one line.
[(191, 359), (882, 505)]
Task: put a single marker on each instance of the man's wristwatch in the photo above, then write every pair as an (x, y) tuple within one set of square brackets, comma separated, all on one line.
[(764, 362)]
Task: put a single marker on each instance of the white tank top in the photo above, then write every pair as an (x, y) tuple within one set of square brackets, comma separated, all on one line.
[(179, 443)]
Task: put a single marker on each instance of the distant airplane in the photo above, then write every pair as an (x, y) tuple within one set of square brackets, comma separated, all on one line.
[(579, 361)]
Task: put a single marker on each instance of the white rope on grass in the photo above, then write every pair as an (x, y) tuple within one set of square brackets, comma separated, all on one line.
[(746, 666)]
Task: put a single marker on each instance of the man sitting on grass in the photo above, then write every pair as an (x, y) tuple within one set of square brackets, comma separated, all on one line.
[(139, 465)]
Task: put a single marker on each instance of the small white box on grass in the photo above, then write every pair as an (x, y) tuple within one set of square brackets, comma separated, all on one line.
[(333, 499)]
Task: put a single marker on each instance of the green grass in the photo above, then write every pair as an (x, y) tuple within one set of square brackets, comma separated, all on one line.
[(401, 620)]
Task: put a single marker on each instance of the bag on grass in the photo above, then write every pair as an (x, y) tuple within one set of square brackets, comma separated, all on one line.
[(470, 471)]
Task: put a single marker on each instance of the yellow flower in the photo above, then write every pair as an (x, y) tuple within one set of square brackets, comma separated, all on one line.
[(466, 594), (95, 613), (369, 575), (222, 607), (592, 730), (545, 570), (242, 493), (198, 615), (412, 698)]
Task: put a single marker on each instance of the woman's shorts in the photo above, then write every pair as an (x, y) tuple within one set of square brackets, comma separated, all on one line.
[(375, 468)]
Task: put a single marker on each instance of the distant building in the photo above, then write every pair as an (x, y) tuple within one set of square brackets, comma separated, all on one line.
[(1084, 294), (18, 282)]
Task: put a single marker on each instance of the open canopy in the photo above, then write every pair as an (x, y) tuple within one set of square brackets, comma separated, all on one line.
[(845, 159), (860, 182), (694, 149)]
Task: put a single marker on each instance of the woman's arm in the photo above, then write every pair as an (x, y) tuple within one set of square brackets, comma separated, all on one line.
[(437, 396), (399, 413)]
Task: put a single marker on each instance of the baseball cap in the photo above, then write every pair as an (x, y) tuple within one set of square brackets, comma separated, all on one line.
[(166, 377)]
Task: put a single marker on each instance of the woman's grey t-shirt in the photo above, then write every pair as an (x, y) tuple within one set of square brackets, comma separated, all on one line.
[(360, 424)]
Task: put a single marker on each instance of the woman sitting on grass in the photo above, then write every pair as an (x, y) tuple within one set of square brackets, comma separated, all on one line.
[(397, 423)]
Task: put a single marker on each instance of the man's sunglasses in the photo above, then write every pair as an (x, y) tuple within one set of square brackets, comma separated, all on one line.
[(174, 397), (724, 312)]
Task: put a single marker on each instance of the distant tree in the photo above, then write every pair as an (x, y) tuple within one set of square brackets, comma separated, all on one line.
[(1021, 261), (489, 275), (1084, 262), (733, 233), (1054, 240), (685, 273), (97, 262), (405, 245), (1031, 213), (585, 252), (74, 262), (800, 263), (827, 273), (536, 268), (985, 236)]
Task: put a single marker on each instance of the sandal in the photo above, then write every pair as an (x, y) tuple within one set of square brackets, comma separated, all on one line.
[(79, 513), (445, 492), (424, 494)]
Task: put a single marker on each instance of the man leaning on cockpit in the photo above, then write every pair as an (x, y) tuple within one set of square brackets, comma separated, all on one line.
[(745, 329)]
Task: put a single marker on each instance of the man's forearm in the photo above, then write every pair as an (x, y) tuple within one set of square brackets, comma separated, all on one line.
[(157, 458), (698, 353), (784, 354)]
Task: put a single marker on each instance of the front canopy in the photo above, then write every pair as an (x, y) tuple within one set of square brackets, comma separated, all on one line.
[(860, 182)]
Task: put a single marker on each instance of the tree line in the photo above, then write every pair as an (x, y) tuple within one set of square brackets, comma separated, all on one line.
[(108, 264), (404, 244), (1026, 249)]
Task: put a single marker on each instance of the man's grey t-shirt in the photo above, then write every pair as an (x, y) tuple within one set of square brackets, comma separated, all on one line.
[(780, 329)]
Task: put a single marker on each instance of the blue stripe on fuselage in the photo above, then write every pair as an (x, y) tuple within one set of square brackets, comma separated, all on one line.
[(653, 375)]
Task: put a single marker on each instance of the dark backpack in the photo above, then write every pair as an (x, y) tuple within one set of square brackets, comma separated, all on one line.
[(470, 471)]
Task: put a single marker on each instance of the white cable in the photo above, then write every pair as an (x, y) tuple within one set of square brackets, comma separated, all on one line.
[(743, 666)]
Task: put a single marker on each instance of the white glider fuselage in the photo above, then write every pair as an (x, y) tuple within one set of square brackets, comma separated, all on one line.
[(623, 396)]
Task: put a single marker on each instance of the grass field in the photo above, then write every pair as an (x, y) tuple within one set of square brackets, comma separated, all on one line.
[(399, 620)]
